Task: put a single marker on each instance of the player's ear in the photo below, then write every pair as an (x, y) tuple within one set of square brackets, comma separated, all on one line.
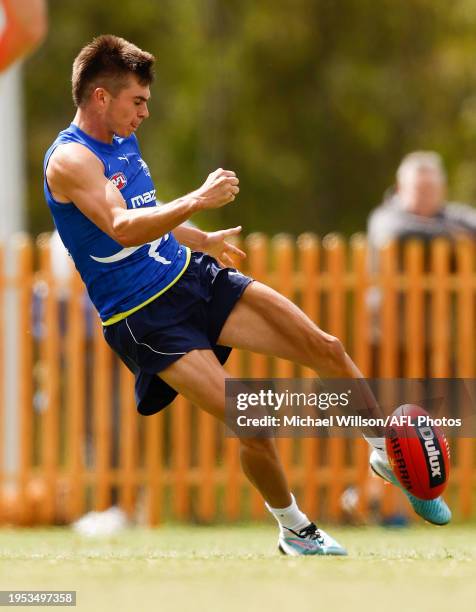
[(101, 96)]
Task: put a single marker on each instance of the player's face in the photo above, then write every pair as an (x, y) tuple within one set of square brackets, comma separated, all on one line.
[(127, 110)]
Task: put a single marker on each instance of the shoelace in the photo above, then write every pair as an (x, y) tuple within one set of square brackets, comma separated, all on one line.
[(311, 532)]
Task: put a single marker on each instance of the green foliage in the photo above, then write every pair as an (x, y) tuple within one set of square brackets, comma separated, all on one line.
[(312, 102)]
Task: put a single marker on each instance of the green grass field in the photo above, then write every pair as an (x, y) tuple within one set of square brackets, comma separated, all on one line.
[(181, 568)]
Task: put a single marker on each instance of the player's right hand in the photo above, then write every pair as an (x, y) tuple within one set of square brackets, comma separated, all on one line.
[(220, 188)]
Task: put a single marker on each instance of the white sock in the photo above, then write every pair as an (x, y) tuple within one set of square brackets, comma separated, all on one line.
[(290, 517), (378, 444)]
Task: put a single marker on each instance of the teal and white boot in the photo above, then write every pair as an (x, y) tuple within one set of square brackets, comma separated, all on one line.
[(434, 511), (308, 541)]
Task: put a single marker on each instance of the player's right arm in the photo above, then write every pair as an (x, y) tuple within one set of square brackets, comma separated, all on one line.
[(75, 174)]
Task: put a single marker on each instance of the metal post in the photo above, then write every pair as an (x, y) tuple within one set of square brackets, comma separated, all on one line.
[(12, 220)]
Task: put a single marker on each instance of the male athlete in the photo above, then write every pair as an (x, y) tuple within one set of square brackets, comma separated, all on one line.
[(168, 308), (24, 27)]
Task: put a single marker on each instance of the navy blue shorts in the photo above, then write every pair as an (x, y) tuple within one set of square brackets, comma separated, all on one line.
[(190, 315)]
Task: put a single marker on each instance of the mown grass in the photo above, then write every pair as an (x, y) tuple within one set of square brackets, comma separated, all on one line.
[(237, 568)]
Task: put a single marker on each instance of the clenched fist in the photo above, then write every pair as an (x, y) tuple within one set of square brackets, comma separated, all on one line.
[(220, 188)]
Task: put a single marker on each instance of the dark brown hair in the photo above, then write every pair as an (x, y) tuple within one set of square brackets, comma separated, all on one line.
[(106, 62)]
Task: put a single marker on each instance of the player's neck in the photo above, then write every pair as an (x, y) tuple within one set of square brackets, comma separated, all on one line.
[(92, 126)]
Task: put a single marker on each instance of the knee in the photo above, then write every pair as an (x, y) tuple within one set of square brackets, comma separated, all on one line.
[(336, 351), (329, 355)]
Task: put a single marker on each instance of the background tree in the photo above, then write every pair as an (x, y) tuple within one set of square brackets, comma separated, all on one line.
[(312, 102)]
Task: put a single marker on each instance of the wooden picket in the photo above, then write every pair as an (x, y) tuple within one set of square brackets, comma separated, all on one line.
[(180, 458), (154, 451), (362, 354), (82, 446), (309, 254), (75, 407), (24, 284), (414, 312), (232, 472), (440, 309), (50, 383), (258, 253), (129, 445), (282, 247), (335, 253), (466, 360), (102, 426)]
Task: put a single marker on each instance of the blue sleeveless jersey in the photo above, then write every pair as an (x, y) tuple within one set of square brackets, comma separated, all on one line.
[(119, 280)]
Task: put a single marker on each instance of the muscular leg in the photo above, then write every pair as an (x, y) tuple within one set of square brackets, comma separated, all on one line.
[(264, 321), (200, 378)]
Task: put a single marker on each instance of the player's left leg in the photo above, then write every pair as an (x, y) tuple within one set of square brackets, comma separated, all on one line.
[(200, 378)]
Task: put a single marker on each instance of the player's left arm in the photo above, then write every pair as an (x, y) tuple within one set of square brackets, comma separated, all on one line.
[(214, 243), (26, 24)]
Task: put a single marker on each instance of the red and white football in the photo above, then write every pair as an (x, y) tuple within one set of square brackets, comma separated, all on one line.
[(418, 452)]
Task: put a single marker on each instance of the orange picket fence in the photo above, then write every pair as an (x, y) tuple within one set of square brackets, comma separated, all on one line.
[(73, 441)]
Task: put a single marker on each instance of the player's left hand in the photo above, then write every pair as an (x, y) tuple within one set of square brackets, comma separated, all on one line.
[(216, 244)]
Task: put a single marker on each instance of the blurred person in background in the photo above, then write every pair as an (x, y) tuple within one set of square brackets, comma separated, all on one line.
[(24, 27), (417, 207)]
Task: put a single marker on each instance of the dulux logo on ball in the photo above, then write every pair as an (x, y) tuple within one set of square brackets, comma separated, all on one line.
[(433, 455)]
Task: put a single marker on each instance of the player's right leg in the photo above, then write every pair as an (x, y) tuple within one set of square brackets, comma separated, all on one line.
[(435, 511), (200, 378), (266, 322)]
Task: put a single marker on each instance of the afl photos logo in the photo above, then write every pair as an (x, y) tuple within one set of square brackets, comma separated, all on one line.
[(119, 180)]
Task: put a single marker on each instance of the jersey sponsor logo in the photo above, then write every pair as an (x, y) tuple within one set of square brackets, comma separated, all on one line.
[(119, 180), (144, 198), (128, 251)]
